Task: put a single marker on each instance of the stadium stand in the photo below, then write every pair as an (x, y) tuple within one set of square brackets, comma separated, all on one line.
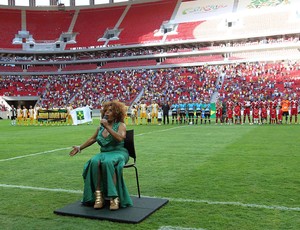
[(91, 25), (142, 20), (22, 86), (195, 59), (43, 68), (50, 24), (10, 68), (10, 22)]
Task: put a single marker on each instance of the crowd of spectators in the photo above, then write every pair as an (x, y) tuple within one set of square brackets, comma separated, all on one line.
[(262, 81)]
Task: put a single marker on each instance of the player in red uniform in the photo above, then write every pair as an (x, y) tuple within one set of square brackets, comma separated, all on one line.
[(280, 114), (219, 112), (272, 105), (254, 104), (229, 104), (255, 115), (273, 115), (263, 114), (246, 110), (237, 114), (294, 110), (229, 116), (263, 103)]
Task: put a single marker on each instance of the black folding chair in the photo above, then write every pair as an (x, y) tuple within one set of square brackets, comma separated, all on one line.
[(129, 145)]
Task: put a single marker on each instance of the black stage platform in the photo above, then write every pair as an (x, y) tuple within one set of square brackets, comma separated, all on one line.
[(141, 209)]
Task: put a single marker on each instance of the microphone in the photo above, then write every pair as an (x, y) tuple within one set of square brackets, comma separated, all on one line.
[(105, 117)]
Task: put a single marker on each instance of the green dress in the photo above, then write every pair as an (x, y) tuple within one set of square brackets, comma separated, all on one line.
[(113, 157)]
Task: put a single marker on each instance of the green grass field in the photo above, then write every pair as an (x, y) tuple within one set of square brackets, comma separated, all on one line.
[(215, 177)]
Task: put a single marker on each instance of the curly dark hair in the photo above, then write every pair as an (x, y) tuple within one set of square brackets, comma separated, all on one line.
[(118, 108)]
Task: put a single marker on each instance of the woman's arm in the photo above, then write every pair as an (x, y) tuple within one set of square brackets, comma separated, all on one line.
[(87, 143)]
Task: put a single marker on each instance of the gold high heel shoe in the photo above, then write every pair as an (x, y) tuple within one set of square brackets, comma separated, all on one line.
[(114, 203), (99, 202)]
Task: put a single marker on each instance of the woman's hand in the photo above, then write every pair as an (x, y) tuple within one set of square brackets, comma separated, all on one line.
[(75, 150), (104, 121)]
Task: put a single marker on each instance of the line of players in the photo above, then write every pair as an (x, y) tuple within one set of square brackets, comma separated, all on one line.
[(191, 112), (148, 114), (183, 112), (276, 111), (24, 116), (255, 111)]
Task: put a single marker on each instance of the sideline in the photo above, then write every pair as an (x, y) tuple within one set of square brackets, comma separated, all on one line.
[(163, 130), (178, 228), (233, 203), (34, 154), (259, 206)]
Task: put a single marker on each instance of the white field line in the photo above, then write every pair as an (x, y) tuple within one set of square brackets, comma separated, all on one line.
[(272, 207), (41, 189), (233, 203), (178, 228), (34, 154), (55, 150), (163, 130)]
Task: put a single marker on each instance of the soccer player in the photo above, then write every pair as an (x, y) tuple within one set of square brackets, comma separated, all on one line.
[(294, 110), (174, 109), (255, 115), (31, 115), (219, 112), (237, 113), (254, 104), (229, 104), (280, 113), (25, 115), (273, 115), (69, 117), (246, 110), (273, 105), (285, 105), (191, 110), (13, 115), (143, 112), (36, 114), (19, 115), (224, 113), (229, 115), (182, 111), (199, 111), (154, 111), (263, 115), (159, 116), (207, 110), (134, 115)]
